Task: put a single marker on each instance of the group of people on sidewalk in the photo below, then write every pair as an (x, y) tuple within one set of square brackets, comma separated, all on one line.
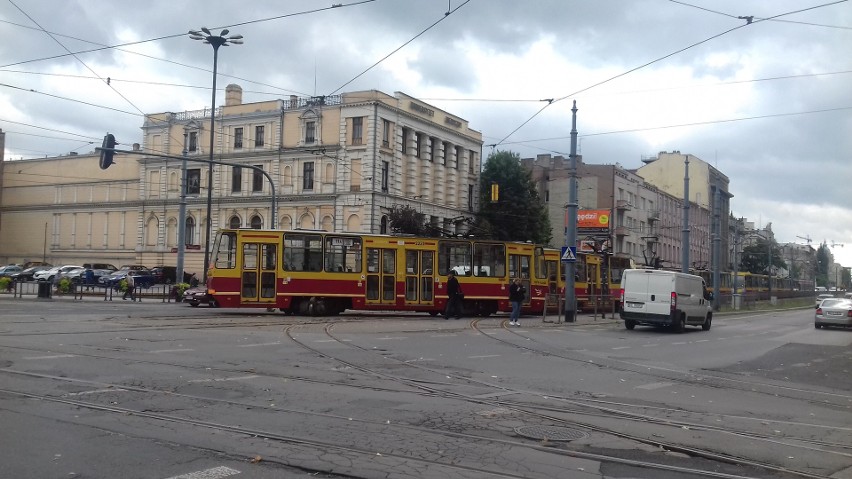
[(455, 296)]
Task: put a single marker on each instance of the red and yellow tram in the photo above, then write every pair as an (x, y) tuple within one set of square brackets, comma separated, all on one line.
[(319, 273)]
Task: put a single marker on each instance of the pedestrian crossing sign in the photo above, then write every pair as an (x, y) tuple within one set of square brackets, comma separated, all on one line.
[(569, 254)]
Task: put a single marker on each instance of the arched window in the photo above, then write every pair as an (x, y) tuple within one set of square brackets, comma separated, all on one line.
[(152, 231), (189, 231), (256, 222), (306, 221), (287, 176), (171, 232), (234, 222), (328, 223), (353, 224), (173, 181), (383, 228), (286, 223), (329, 173)]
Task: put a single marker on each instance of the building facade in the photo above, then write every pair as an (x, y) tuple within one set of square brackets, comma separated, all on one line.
[(645, 222), (337, 163)]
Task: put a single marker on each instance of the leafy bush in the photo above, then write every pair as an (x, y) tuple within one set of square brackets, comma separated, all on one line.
[(122, 285), (180, 288), (65, 285), (5, 284)]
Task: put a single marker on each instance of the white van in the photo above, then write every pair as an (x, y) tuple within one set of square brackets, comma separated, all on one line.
[(664, 298)]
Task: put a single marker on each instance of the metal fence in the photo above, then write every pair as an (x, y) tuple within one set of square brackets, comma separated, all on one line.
[(165, 293)]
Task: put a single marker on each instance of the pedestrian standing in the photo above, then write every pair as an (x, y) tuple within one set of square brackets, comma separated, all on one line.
[(454, 297), (131, 285), (90, 279), (516, 297)]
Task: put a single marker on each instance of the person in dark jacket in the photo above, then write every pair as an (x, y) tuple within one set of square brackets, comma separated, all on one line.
[(454, 297), (516, 297)]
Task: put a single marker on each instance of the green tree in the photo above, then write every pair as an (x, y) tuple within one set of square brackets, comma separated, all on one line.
[(822, 256), (406, 220), (519, 214), (755, 257)]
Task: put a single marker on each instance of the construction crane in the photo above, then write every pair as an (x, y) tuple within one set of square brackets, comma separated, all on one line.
[(806, 238), (833, 244)]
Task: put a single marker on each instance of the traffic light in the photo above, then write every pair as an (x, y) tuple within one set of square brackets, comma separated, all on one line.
[(106, 151), (495, 192)]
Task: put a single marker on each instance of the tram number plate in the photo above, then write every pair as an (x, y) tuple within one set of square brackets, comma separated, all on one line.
[(631, 304)]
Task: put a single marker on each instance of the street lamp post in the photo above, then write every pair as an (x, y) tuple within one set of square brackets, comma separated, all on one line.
[(216, 41)]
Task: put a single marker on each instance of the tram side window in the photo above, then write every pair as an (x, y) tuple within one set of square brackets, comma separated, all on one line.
[(226, 251), (302, 252), (489, 260), (540, 264), (343, 254), (579, 270), (454, 255)]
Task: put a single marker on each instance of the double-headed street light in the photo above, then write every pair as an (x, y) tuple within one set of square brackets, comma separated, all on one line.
[(216, 41)]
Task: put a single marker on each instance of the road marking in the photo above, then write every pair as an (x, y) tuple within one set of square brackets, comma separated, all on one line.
[(258, 344), (484, 356), (654, 385), (157, 351), (621, 347), (702, 340), (391, 337), (57, 356), (214, 473), (680, 342), (650, 345), (235, 378), (443, 336)]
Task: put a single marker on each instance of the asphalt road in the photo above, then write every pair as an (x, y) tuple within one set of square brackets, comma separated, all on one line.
[(157, 390)]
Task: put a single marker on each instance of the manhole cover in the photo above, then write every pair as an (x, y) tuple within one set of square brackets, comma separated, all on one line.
[(551, 433)]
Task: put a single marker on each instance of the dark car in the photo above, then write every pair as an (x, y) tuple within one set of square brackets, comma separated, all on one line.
[(8, 271), (168, 274), (27, 274), (142, 278), (198, 295)]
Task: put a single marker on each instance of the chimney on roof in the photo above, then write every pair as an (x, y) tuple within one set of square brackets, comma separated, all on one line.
[(233, 95)]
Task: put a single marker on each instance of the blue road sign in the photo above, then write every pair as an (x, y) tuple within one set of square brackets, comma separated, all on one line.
[(569, 254)]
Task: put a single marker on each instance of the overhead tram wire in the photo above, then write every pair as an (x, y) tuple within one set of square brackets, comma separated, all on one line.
[(659, 60), (446, 15), (760, 18)]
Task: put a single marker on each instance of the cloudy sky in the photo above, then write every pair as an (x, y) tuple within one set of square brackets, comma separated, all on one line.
[(762, 90)]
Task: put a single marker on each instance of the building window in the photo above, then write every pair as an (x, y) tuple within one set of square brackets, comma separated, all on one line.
[(357, 130), (471, 161), (308, 179), (193, 141), (470, 197), (386, 133), (310, 131), (256, 222), (418, 145), (257, 178), (236, 179), (258, 136), (458, 157), (189, 231), (433, 148), (405, 133), (385, 175), (234, 222), (238, 137), (446, 152), (193, 181)]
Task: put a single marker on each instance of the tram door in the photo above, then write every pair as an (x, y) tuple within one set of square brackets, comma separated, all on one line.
[(519, 267), (259, 262), (419, 277), (381, 276)]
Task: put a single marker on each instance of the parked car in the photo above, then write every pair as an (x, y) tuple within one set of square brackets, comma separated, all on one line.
[(168, 274), (27, 274), (79, 275), (30, 264), (53, 273), (833, 312), (105, 266), (8, 271), (142, 278), (198, 295), (821, 297)]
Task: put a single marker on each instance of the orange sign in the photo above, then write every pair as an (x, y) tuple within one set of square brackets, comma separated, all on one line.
[(591, 219)]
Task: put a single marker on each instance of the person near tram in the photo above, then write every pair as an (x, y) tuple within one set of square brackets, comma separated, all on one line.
[(454, 297), (516, 297)]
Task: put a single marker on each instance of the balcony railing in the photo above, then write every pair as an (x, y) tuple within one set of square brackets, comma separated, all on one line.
[(623, 205)]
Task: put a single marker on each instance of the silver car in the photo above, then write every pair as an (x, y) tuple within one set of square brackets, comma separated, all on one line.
[(834, 312), (822, 297)]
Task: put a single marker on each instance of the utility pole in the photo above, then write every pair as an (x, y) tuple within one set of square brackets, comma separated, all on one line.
[(684, 267), (717, 248), (181, 232), (571, 233)]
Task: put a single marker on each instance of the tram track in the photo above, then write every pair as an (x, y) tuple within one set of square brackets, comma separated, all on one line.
[(529, 409), (328, 446), (434, 388)]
